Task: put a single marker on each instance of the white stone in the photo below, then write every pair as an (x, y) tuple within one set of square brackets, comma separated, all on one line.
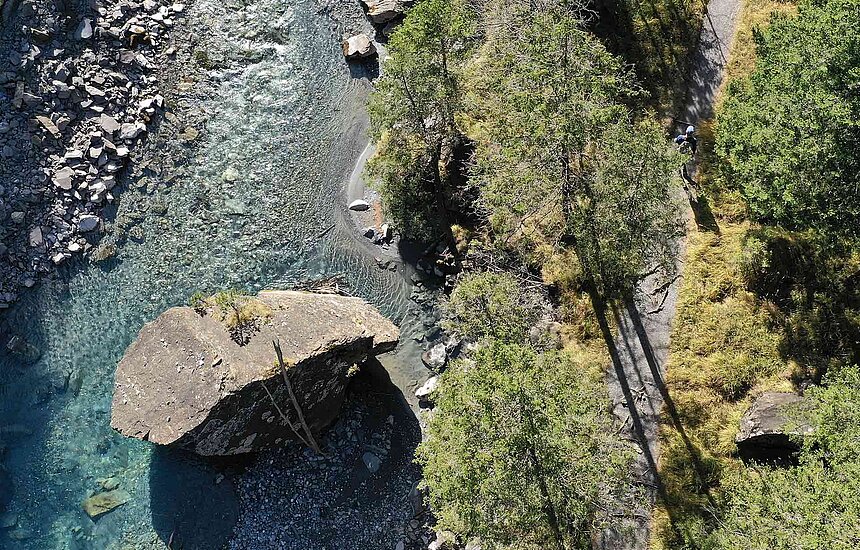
[(359, 205), (429, 387)]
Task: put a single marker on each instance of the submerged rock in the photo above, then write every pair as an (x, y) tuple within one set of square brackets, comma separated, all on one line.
[(102, 503), (767, 429), (186, 381)]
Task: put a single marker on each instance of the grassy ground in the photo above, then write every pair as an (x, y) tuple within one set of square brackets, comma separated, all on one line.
[(725, 347)]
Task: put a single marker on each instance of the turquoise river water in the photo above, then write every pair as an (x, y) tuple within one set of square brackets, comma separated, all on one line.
[(284, 118)]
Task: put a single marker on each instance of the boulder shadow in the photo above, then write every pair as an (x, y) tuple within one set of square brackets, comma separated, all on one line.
[(193, 501)]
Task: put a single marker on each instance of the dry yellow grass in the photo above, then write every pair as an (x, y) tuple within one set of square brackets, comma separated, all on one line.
[(725, 343)]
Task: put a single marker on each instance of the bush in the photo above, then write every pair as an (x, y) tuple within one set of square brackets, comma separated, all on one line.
[(789, 134), (492, 305), (814, 505)]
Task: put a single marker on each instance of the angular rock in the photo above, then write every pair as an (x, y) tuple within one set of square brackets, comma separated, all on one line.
[(186, 382), (436, 357), (767, 428), (108, 123), (425, 391), (63, 178), (49, 125), (88, 222), (131, 131), (36, 239), (382, 11), (102, 503), (84, 30), (358, 47)]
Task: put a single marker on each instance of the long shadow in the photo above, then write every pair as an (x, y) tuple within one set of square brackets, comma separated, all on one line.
[(701, 208), (635, 418), (669, 404)]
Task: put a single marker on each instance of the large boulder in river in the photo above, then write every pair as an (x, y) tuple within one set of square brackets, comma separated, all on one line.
[(768, 428), (190, 382)]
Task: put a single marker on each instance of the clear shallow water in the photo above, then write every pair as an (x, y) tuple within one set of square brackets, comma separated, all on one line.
[(281, 124)]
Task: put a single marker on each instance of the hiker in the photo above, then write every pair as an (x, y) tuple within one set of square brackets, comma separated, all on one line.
[(687, 142)]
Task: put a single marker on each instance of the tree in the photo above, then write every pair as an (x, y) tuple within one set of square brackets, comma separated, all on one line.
[(521, 450), (815, 504), (492, 305), (789, 134), (559, 159), (412, 114)]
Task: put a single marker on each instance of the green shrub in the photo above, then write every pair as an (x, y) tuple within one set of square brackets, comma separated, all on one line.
[(492, 305), (789, 134)]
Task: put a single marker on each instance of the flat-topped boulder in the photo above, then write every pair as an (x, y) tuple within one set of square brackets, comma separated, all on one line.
[(207, 379), (768, 428)]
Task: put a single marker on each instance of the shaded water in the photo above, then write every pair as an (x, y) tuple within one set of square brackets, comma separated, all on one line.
[(284, 122)]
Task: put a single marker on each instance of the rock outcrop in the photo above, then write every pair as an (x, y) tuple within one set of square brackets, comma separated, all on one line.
[(186, 381), (767, 428)]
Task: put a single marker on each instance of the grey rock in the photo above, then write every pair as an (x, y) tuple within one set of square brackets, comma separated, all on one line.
[(768, 427), (88, 222), (63, 178), (358, 46), (436, 357), (130, 130), (108, 123), (371, 462), (49, 125), (359, 205), (84, 30), (383, 11), (36, 238), (186, 382)]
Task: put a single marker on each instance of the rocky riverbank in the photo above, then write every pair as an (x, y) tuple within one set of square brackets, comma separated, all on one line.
[(77, 94)]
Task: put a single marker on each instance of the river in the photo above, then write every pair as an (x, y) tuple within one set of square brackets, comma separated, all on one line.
[(255, 202)]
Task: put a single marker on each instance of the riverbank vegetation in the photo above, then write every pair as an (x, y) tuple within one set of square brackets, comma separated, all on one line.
[(568, 194), (523, 125)]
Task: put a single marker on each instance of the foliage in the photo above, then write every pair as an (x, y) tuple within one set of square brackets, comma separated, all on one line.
[(657, 38), (412, 113), (789, 134), (198, 302), (725, 348), (815, 504), (492, 305), (558, 160), (240, 313), (812, 282), (521, 449)]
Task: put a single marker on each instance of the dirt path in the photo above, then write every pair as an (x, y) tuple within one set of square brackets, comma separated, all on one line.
[(642, 344)]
